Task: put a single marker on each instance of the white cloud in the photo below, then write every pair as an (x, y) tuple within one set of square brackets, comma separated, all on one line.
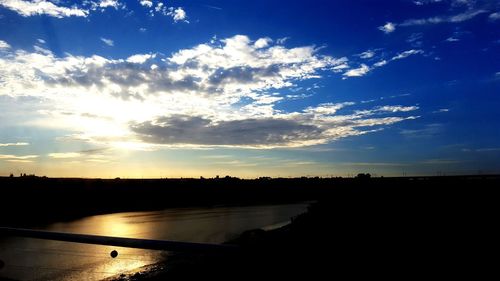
[(65, 155), (441, 110), (42, 7), (406, 54), (14, 144), (220, 94), (397, 108), (146, 3), (262, 42), (140, 58), (364, 69), (452, 39), (281, 41), (4, 45), (102, 4), (388, 27), (177, 14), (108, 42), (15, 157), (340, 67), (367, 54), (42, 50), (494, 16), (357, 72), (327, 108), (444, 19), (424, 2), (380, 63)]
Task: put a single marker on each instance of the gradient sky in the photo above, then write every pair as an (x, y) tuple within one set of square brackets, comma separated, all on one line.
[(249, 88)]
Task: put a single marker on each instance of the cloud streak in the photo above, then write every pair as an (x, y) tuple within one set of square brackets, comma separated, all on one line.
[(42, 7), (15, 157), (390, 27), (107, 41), (444, 19), (14, 144)]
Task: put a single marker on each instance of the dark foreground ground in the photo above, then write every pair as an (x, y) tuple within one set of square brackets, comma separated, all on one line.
[(428, 229), (437, 227)]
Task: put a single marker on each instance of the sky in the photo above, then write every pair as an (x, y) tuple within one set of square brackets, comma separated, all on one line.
[(188, 88)]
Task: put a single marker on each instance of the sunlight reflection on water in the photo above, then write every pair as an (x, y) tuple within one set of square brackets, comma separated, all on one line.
[(33, 259)]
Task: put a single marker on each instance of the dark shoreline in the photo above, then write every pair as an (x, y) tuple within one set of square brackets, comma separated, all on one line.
[(362, 227), (40, 200), (363, 233)]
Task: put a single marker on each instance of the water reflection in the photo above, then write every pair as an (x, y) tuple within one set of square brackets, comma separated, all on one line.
[(32, 259)]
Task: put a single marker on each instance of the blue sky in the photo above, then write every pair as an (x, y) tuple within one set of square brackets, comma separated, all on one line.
[(249, 88)]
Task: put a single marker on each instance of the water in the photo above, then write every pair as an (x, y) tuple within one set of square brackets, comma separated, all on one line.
[(34, 259)]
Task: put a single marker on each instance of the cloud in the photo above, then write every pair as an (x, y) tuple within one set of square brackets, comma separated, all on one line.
[(64, 155), (178, 14), (14, 144), (452, 39), (489, 149), (380, 63), (42, 50), (454, 3), (357, 72), (441, 110), (388, 27), (494, 16), (15, 157), (108, 42), (313, 126), (374, 164), (396, 108), (42, 7), (427, 132), (102, 4), (212, 94), (262, 42), (212, 7), (406, 54), (367, 54), (415, 39), (365, 69), (457, 18), (248, 132), (146, 3), (439, 162), (281, 41), (140, 58), (443, 19), (4, 45), (327, 108)]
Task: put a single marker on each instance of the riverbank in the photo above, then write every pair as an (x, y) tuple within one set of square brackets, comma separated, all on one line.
[(363, 233)]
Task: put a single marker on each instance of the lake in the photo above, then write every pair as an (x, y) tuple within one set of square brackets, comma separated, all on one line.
[(34, 259)]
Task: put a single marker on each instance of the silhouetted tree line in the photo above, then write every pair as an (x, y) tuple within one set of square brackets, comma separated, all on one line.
[(30, 199)]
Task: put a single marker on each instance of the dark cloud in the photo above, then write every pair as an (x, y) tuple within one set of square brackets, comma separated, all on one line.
[(126, 75), (183, 129), (242, 75)]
